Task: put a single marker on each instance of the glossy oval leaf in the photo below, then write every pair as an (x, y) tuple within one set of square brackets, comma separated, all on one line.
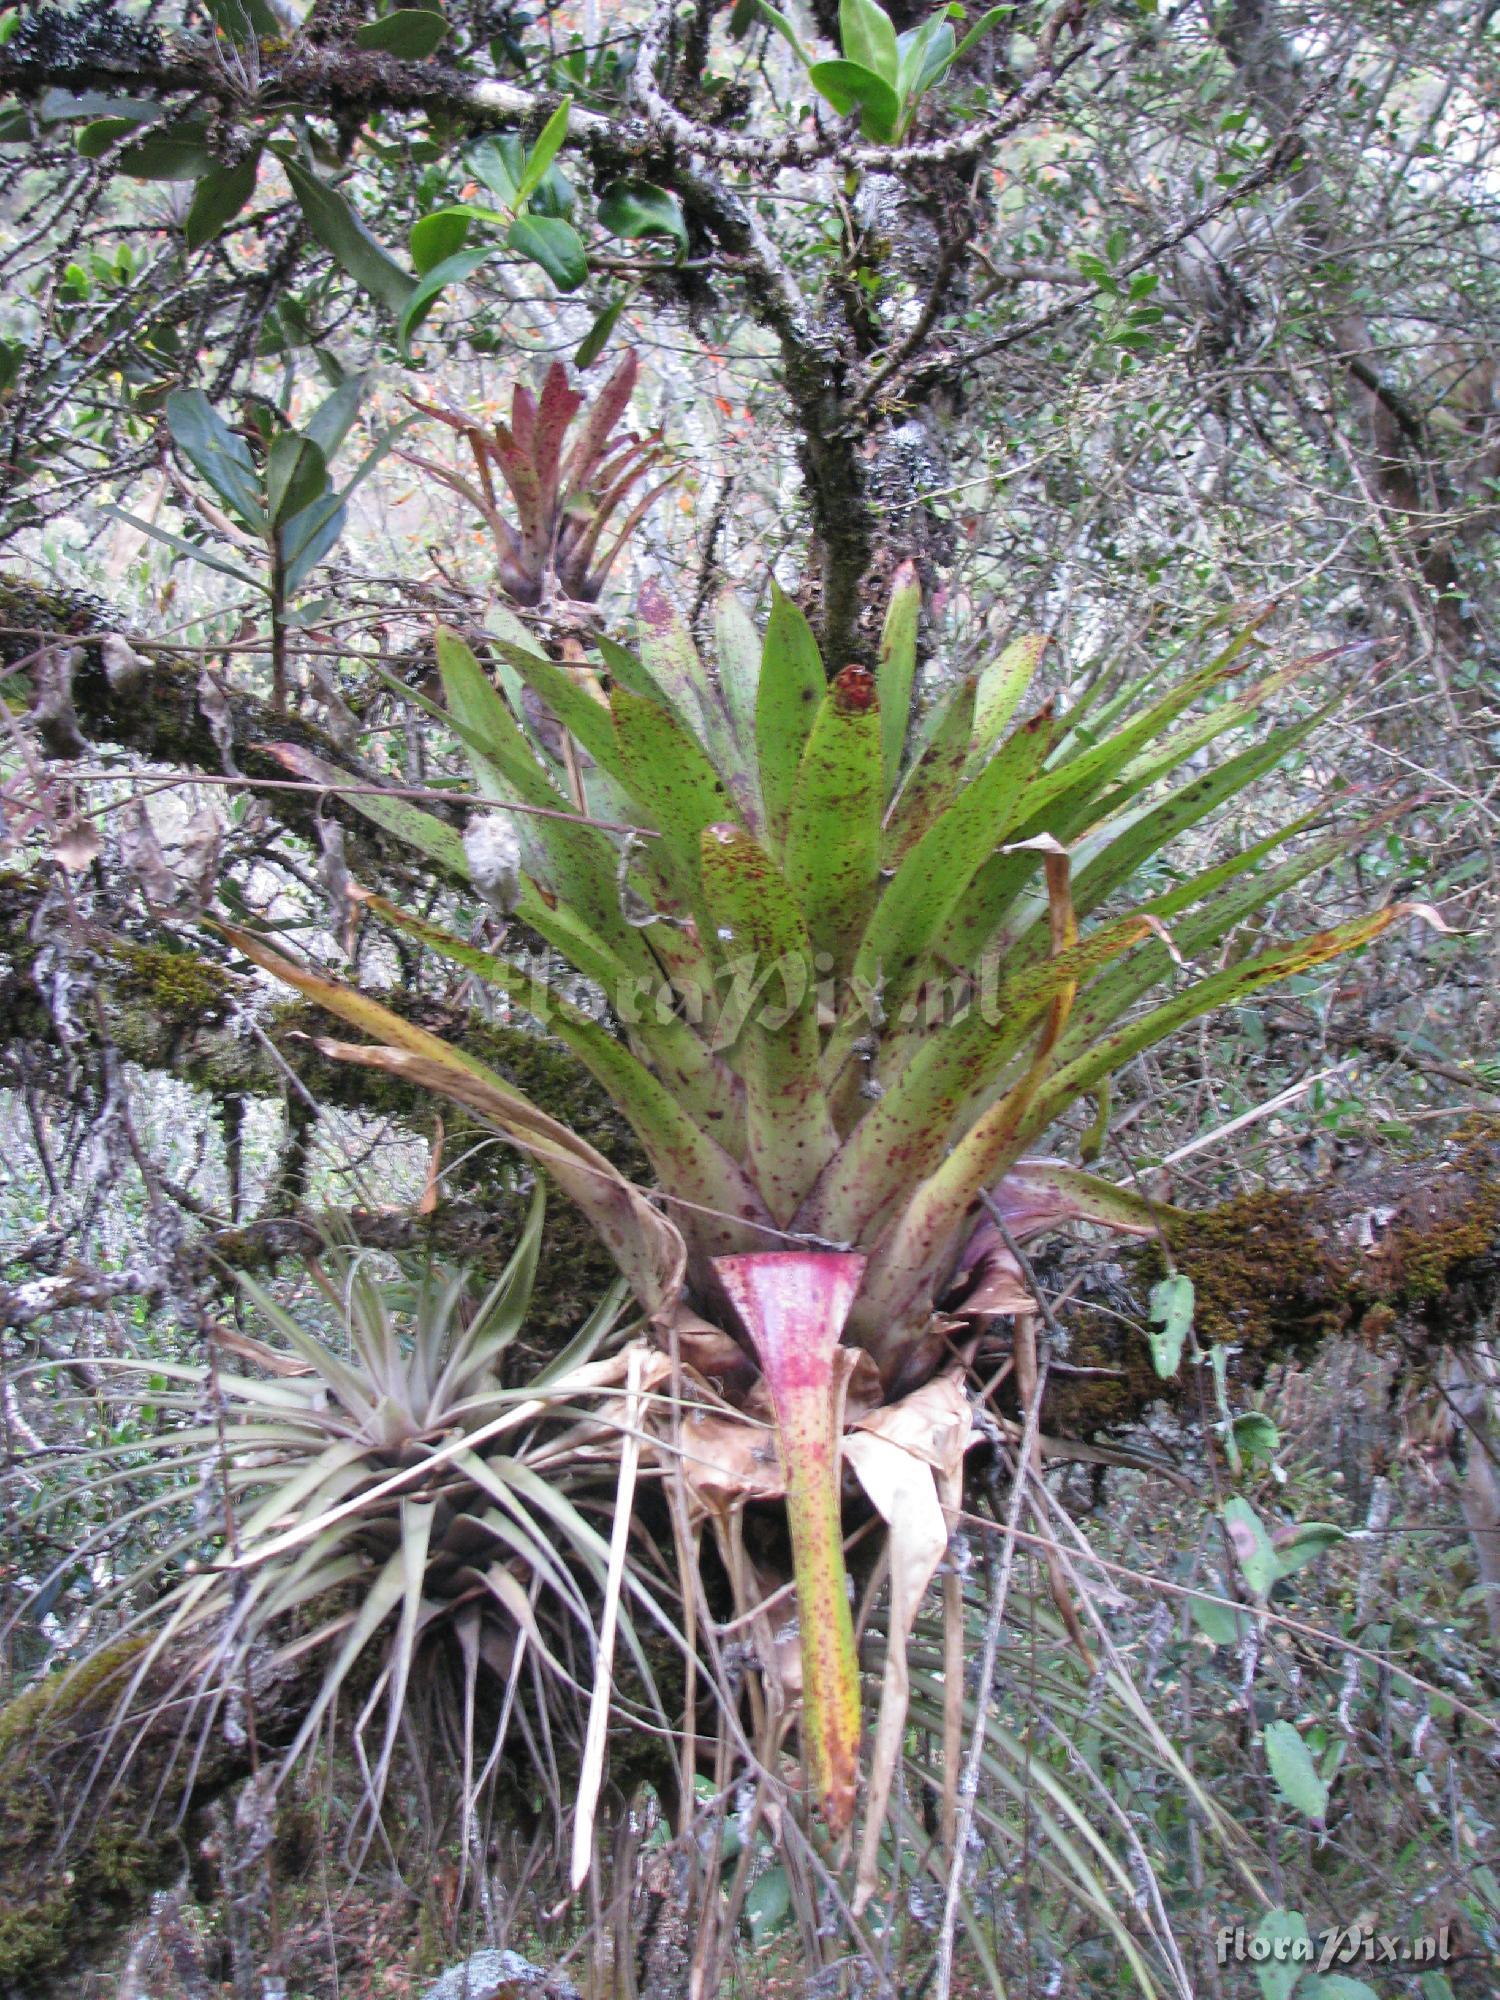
[(850, 88), (309, 535), (410, 33), (925, 53), (296, 474), (438, 236), (867, 36), (452, 271), (218, 199), (638, 208), (555, 245)]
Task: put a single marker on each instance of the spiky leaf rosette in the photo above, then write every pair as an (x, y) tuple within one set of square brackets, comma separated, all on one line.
[(565, 487), (860, 959), (384, 1499)]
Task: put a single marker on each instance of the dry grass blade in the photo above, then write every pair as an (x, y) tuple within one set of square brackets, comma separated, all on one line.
[(904, 1491), (591, 1772), (905, 1456), (647, 1247)]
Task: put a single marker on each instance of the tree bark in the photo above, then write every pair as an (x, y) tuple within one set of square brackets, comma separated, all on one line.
[(175, 1010), (177, 714), (79, 1857), (1407, 1255)]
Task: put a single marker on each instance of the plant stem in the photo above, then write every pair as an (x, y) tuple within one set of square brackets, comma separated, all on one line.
[(830, 1665), (278, 627)]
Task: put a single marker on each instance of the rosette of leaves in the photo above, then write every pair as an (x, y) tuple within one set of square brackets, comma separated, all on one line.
[(879, 76), (565, 490), (377, 1494), (861, 959)]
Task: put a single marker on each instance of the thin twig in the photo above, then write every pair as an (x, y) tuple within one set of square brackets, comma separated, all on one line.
[(942, 1988)]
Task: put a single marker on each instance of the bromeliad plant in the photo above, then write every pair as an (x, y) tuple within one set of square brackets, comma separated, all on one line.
[(384, 1497), (860, 960), (564, 499)]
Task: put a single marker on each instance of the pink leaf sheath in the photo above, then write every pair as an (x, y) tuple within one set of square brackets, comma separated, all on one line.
[(793, 1305)]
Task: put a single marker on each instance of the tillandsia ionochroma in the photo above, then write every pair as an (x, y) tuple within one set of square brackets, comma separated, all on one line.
[(387, 1475), (860, 957)]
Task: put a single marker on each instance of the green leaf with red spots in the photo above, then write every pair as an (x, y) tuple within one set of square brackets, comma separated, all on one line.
[(768, 1028), (791, 686), (832, 858)]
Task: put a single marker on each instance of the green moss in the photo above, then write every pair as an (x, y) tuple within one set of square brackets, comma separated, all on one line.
[(1264, 1287), (1447, 1226), (27, 608), (1263, 1280), (51, 1907), (185, 988), (62, 1694), (1277, 1273)]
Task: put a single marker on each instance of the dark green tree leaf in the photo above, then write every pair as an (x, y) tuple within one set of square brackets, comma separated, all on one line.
[(637, 208), (436, 237), (176, 153), (555, 245), (336, 226), (308, 537), (451, 271), (296, 474), (849, 87), (868, 38), (218, 453), (596, 339), (411, 33), (331, 422), (542, 154), (217, 199)]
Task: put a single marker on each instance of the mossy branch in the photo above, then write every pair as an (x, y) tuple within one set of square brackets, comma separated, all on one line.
[(132, 1834), (1407, 1253)]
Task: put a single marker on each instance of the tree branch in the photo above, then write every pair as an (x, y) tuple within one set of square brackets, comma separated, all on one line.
[(171, 717), (1409, 1253)]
